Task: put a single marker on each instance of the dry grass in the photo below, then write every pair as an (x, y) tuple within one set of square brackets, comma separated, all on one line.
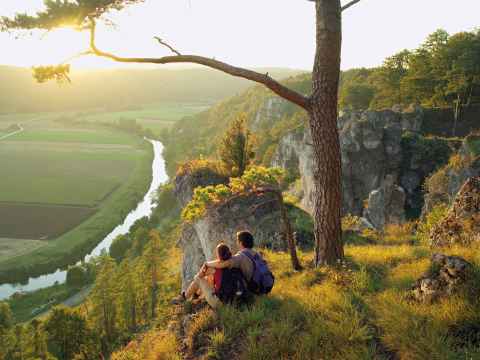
[(357, 310)]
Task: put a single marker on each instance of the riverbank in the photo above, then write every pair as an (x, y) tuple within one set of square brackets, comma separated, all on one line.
[(75, 244)]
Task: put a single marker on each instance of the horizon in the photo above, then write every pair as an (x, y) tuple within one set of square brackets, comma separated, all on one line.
[(252, 46)]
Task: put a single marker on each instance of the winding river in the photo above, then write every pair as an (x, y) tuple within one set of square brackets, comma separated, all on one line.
[(144, 208)]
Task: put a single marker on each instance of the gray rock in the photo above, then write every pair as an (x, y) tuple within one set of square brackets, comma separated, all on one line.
[(445, 278), (371, 146), (386, 205)]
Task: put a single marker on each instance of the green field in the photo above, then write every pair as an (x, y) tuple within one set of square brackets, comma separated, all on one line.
[(62, 174), (152, 116)]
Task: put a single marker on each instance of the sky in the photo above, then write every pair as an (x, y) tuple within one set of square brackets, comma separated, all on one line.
[(249, 33)]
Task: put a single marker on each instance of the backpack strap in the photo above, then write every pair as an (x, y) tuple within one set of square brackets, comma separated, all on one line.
[(250, 256)]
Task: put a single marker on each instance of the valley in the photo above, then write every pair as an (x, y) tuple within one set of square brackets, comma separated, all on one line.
[(68, 179)]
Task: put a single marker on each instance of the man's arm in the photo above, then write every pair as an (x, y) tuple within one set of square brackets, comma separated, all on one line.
[(217, 264)]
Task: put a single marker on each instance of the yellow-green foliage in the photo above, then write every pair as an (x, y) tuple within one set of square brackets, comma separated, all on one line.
[(198, 166), (433, 218), (203, 197), (350, 222), (399, 233)]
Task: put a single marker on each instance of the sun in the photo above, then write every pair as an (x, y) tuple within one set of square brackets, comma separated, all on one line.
[(55, 47)]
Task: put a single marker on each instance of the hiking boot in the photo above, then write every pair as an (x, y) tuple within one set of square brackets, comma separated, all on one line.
[(180, 299)]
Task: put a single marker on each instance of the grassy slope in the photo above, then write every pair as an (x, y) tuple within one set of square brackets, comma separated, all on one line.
[(355, 311)]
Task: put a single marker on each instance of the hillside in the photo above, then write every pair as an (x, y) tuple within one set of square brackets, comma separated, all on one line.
[(118, 89)]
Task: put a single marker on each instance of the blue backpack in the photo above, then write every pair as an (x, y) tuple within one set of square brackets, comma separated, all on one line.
[(262, 279)]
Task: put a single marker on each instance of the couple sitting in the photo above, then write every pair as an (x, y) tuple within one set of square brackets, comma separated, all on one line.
[(230, 278)]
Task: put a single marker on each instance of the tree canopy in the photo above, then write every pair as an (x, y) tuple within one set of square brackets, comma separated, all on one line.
[(64, 13)]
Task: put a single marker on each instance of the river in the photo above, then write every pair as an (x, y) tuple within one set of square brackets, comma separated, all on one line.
[(144, 208)]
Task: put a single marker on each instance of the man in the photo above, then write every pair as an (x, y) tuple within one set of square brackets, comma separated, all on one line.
[(240, 261)]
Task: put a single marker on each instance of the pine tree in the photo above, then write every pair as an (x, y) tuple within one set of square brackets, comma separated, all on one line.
[(236, 147), (104, 303)]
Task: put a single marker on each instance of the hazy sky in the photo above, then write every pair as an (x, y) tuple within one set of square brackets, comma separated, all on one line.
[(249, 32)]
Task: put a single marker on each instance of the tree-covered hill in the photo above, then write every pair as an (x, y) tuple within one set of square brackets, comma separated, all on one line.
[(443, 75)]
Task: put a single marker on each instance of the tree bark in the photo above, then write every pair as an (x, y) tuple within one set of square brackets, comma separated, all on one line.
[(325, 137)]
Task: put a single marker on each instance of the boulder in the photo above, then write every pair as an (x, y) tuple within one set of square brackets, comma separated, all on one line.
[(447, 276), (461, 225)]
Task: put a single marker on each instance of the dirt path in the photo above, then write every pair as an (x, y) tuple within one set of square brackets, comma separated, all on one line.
[(20, 129), (78, 298), (72, 301)]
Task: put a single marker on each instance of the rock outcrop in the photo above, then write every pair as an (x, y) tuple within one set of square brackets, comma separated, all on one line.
[(371, 145), (257, 214), (447, 276), (386, 205), (446, 182), (462, 223)]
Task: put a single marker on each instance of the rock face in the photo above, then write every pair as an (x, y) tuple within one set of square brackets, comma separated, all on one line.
[(386, 205), (462, 223), (258, 214), (371, 146), (447, 276), (294, 151), (271, 110)]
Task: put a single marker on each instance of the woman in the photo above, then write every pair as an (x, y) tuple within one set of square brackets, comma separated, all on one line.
[(208, 281)]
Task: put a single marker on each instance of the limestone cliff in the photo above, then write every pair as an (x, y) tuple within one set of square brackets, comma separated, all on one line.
[(371, 145)]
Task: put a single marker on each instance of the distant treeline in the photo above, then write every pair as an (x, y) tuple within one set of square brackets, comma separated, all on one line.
[(117, 89), (443, 71)]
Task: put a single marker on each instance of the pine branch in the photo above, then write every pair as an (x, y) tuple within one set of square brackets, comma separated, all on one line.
[(279, 89), (350, 4)]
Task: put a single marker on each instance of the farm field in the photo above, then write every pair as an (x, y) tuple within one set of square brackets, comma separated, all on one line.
[(56, 177), (152, 116), (68, 179)]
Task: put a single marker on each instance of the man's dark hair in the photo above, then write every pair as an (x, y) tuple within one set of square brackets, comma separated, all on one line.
[(245, 238)]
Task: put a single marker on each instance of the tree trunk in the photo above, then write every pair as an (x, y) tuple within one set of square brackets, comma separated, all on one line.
[(323, 126), (288, 233)]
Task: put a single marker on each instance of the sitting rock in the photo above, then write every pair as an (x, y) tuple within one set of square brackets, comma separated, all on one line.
[(446, 277), (462, 223)]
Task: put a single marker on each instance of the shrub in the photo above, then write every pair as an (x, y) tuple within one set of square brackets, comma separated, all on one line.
[(433, 218), (254, 178), (350, 222), (200, 166), (399, 233), (120, 245), (76, 277)]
